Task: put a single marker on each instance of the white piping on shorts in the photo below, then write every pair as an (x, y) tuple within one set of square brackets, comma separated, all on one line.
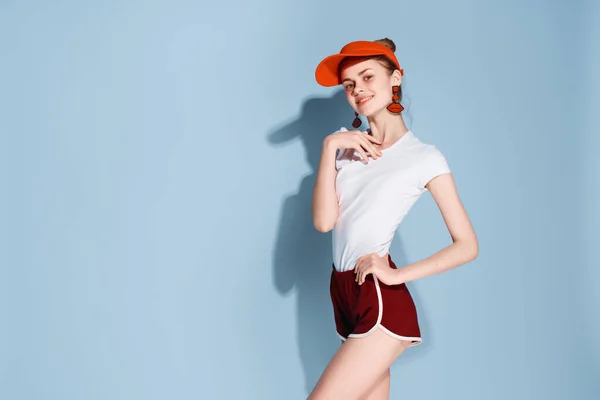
[(414, 340)]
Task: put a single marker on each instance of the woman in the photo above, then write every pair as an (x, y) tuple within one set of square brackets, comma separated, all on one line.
[(366, 183)]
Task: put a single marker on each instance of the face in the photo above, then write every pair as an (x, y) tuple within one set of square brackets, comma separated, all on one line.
[(368, 85)]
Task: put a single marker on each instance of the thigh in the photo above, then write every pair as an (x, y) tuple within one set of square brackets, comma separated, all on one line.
[(381, 390), (357, 366)]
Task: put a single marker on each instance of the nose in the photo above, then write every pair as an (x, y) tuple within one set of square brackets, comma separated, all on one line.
[(357, 91)]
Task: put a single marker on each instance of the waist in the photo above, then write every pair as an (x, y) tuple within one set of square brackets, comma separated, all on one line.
[(349, 273)]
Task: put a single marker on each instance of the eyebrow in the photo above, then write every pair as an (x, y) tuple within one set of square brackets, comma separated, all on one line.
[(359, 74)]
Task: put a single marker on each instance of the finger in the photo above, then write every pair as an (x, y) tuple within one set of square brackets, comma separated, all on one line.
[(373, 138), (363, 276), (375, 149), (358, 272), (370, 147), (362, 152), (364, 145)]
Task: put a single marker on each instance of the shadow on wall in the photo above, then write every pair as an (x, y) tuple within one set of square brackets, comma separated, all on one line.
[(302, 258)]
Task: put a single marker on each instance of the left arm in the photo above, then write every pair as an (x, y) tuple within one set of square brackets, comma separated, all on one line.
[(464, 247)]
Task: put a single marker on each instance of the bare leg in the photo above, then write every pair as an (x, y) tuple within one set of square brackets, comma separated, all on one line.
[(381, 390), (357, 367)]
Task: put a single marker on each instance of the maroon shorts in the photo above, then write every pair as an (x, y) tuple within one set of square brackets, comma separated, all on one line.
[(360, 309)]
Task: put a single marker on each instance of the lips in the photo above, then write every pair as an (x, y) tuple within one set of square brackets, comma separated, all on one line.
[(363, 100)]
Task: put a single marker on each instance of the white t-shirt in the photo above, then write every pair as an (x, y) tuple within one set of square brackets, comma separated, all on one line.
[(375, 197)]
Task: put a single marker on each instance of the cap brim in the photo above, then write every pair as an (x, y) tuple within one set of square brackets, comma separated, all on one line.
[(326, 73)]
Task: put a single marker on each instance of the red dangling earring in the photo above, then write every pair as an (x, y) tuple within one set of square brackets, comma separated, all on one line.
[(357, 122), (395, 106)]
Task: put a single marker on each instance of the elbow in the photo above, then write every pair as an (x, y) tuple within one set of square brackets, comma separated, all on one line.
[(324, 219), (323, 227), (468, 249), (323, 224), (474, 253), (472, 250)]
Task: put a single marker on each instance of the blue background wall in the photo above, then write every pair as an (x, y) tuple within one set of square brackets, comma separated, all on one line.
[(158, 161), (589, 209)]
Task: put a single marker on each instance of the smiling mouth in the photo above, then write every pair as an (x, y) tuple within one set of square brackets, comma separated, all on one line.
[(364, 100)]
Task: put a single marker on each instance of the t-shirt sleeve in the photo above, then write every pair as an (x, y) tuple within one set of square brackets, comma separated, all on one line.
[(434, 164), (341, 157)]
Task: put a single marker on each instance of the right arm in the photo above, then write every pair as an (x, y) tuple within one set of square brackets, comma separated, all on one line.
[(325, 200)]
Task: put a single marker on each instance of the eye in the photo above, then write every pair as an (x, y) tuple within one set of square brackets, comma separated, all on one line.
[(349, 86), (368, 77)]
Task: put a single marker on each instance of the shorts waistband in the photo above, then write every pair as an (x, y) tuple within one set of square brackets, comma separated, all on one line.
[(341, 274), (350, 273)]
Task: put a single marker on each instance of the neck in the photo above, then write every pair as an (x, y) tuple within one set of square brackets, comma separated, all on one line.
[(387, 127)]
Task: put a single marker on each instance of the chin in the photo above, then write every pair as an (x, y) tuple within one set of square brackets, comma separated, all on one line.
[(371, 111)]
